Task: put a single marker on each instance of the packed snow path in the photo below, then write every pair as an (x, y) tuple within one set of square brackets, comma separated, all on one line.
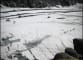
[(61, 27)]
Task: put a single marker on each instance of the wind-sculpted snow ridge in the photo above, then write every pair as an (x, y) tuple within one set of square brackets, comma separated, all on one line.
[(25, 13)]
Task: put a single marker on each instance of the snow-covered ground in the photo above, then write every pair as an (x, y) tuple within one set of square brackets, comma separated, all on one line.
[(60, 25)]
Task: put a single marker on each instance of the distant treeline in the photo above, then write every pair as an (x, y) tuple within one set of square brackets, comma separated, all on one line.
[(39, 3)]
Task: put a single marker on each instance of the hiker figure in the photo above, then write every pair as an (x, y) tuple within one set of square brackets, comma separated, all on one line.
[(8, 48)]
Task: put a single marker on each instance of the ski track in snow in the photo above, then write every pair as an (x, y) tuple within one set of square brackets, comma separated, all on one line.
[(61, 27)]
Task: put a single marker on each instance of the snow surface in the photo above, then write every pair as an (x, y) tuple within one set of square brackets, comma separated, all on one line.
[(62, 25)]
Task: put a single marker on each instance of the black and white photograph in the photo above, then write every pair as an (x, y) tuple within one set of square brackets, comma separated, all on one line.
[(41, 30)]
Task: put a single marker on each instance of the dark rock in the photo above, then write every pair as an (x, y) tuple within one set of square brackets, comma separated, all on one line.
[(78, 45), (63, 56), (49, 17), (10, 56), (8, 20), (71, 52)]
